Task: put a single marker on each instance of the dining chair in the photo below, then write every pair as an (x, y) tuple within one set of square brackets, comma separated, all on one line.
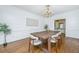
[(59, 39), (35, 41), (55, 39)]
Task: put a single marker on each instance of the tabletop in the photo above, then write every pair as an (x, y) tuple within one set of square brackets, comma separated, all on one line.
[(44, 34)]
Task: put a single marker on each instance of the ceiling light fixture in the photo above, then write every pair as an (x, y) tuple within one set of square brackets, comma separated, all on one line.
[(47, 12)]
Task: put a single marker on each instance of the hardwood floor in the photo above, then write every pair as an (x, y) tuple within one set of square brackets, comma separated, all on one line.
[(70, 45)]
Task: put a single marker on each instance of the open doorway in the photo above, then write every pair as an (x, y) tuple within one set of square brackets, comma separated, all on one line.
[(60, 25)]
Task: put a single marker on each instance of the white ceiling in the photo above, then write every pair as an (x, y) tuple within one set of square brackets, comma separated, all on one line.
[(56, 8)]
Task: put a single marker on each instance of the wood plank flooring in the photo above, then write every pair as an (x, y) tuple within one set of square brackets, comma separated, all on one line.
[(70, 45)]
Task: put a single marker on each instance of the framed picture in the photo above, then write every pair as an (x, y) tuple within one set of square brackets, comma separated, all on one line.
[(31, 22)]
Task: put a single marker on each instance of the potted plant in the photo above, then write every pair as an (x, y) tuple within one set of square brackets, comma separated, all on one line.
[(46, 27), (4, 28)]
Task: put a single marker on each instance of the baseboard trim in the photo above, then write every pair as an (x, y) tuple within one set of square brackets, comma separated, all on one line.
[(15, 41), (72, 38)]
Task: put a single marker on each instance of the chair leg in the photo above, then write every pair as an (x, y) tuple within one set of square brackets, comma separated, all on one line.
[(30, 49), (56, 48), (59, 42)]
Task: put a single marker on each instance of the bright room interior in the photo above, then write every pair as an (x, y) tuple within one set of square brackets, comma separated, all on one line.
[(26, 20)]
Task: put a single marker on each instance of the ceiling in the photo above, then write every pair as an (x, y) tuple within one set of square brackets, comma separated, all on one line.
[(37, 9)]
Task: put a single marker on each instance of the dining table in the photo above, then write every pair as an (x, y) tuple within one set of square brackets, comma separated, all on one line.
[(44, 36)]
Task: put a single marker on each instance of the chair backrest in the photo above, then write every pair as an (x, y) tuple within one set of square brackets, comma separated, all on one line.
[(59, 33), (33, 37), (56, 35), (53, 36)]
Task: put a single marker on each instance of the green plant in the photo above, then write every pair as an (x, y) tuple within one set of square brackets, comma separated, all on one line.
[(4, 28), (46, 27)]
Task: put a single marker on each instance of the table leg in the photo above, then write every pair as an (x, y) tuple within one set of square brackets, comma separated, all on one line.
[(49, 46), (29, 45)]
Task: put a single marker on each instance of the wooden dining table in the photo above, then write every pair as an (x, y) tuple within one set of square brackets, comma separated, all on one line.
[(45, 35)]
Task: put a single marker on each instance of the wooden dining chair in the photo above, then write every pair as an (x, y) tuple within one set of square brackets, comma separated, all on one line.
[(55, 40), (34, 41)]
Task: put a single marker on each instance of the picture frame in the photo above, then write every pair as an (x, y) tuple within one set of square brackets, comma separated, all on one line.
[(31, 22)]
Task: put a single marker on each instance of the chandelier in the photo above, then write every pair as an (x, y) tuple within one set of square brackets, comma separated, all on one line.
[(47, 12)]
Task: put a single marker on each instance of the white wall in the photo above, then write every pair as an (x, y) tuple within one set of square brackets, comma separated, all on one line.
[(72, 22), (1, 34), (16, 19)]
